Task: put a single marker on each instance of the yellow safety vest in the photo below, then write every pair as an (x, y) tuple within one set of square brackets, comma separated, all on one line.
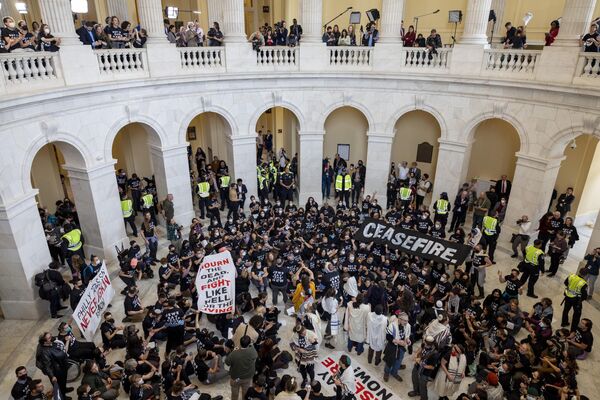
[(74, 239), (575, 284), (225, 181), (405, 193), (442, 207), (532, 254), (127, 208), (203, 189), (489, 225), (348, 182), (148, 200), (261, 182)]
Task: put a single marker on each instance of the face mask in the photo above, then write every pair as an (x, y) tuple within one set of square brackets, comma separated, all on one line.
[(437, 226), (443, 280), (424, 273)]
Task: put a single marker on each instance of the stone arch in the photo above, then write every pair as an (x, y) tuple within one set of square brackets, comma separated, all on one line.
[(353, 104), (561, 140), (276, 103), (471, 126), (189, 117), (425, 108), (157, 135)]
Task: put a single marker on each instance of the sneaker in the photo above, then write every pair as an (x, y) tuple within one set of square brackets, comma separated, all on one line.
[(533, 296), (412, 393), (329, 346), (403, 366), (57, 316), (398, 378), (386, 377), (514, 256)]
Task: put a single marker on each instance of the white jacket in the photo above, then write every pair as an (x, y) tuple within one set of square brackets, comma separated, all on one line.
[(356, 322), (376, 325)]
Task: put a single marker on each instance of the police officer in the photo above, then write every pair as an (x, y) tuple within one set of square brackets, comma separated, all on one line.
[(224, 189), (286, 181), (343, 186), (442, 208), (491, 230), (263, 185), (405, 196), (128, 214), (274, 179), (576, 292), (203, 190), (148, 204), (531, 266), (72, 243)]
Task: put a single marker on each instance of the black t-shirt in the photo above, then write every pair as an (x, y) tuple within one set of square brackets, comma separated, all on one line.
[(134, 183), (584, 337), (331, 279), (106, 328), (173, 317), (13, 34), (278, 276), (148, 229), (20, 390), (115, 32), (132, 304), (512, 285), (253, 394), (588, 44)]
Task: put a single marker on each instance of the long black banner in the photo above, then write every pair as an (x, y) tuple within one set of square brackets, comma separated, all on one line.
[(412, 242)]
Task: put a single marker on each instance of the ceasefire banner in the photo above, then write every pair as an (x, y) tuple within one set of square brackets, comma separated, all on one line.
[(215, 283), (93, 303), (412, 242)]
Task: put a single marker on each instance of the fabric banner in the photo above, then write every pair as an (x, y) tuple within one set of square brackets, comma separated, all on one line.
[(412, 242), (216, 284), (93, 303), (369, 385)]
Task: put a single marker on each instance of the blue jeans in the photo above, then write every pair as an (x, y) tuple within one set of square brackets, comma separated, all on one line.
[(395, 367), (325, 188), (360, 347)]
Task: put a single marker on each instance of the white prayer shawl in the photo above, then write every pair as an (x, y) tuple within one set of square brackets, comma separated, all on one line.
[(440, 332), (456, 367), (351, 287), (376, 325), (331, 305), (356, 322), (394, 327), (315, 320), (348, 381)]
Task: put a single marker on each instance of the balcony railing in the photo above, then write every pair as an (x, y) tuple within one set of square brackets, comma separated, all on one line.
[(508, 62), (122, 63), (353, 57), (423, 58), (277, 57), (202, 58), (588, 66), (37, 69)]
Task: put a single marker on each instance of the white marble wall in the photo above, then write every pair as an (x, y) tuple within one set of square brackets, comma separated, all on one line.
[(452, 164), (311, 157), (244, 162), (378, 165)]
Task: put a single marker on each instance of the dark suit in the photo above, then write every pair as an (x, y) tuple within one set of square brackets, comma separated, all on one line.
[(416, 172), (506, 191), (563, 205), (86, 37)]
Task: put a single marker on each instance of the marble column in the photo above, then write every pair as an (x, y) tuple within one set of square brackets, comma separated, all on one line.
[(233, 21), (172, 175), (595, 237), (575, 21), (57, 14), (215, 12), (7, 7), (476, 22), (498, 29), (23, 253), (531, 191), (391, 21), (244, 161), (451, 168), (311, 161), (98, 205), (312, 21), (379, 154), (118, 8), (151, 18)]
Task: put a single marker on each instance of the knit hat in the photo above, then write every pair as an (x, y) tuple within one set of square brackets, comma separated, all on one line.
[(492, 379)]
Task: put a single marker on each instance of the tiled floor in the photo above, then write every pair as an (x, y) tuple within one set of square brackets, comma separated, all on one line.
[(18, 338)]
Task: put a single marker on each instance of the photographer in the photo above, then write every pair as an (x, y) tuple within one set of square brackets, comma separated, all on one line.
[(257, 39), (370, 36), (522, 238), (434, 41), (281, 34)]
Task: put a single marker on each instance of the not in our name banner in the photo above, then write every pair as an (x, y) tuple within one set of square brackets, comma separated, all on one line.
[(93, 303), (412, 242), (215, 283)]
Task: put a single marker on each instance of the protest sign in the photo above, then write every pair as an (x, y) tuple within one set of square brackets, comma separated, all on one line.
[(215, 283), (412, 242), (93, 303)]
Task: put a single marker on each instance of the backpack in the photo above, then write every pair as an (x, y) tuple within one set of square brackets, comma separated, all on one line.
[(44, 283)]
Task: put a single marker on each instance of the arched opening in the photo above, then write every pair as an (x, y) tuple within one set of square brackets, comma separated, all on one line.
[(346, 134), (277, 128), (580, 170), (209, 136), (495, 143)]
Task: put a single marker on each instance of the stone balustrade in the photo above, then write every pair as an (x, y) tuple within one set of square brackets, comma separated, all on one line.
[(23, 72)]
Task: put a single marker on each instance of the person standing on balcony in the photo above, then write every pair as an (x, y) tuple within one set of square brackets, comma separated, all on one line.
[(296, 30), (48, 42), (215, 36), (511, 31), (86, 33), (281, 34), (553, 33), (590, 41), (352, 35), (329, 37), (28, 41), (102, 40), (410, 37), (370, 36), (115, 34), (344, 39), (10, 34), (191, 36), (172, 34)]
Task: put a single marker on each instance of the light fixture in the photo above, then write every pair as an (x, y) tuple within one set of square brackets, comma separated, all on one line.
[(21, 7), (79, 6), (172, 12), (196, 12)]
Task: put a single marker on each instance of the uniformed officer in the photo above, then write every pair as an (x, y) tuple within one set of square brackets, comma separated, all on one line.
[(72, 243), (405, 196), (442, 208), (263, 185), (224, 189), (203, 190), (491, 230), (343, 186), (531, 266), (148, 204), (286, 181), (128, 214), (576, 292)]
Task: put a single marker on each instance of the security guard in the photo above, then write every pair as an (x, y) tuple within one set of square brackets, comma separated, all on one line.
[(203, 190), (343, 186), (491, 230), (274, 179), (72, 244), (531, 266), (224, 189), (576, 291), (405, 196), (286, 181), (148, 204), (442, 208), (128, 214), (263, 185)]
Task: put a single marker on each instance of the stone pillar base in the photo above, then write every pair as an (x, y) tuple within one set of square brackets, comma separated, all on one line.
[(26, 309), (467, 59), (557, 64), (163, 58), (79, 65)]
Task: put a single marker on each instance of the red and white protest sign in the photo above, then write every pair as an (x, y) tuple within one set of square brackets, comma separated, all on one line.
[(93, 303), (216, 284)]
